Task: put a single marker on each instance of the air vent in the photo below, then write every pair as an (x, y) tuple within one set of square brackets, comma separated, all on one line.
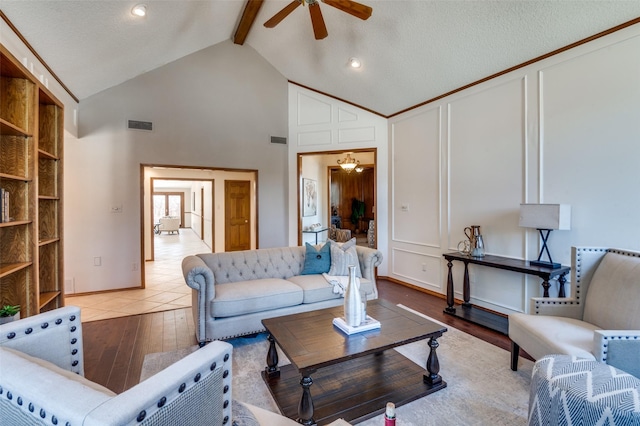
[(140, 125), (278, 139)]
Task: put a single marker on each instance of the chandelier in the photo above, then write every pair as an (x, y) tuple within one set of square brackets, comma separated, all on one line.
[(349, 164)]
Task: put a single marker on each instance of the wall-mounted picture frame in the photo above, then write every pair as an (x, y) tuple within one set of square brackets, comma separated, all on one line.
[(309, 197)]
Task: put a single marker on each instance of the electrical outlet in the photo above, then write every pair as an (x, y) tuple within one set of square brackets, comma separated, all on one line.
[(404, 207), (134, 266), (97, 261), (424, 267)]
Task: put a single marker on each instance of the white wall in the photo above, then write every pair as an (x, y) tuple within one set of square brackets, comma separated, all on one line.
[(215, 108), (563, 130), (318, 123)]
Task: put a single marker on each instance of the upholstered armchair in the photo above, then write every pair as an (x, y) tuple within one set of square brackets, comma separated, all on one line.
[(42, 383), (600, 321), (169, 224), (566, 390)]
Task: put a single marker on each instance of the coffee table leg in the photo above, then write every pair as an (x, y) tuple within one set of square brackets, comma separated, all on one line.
[(271, 370), (305, 409), (433, 365)]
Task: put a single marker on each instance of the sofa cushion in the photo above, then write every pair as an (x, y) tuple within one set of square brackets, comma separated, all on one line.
[(343, 255), (316, 261), (613, 293), (317, 289), (245, 297), (541, 335)]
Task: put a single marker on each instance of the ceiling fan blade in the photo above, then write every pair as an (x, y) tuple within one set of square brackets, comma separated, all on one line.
[(358, 10), (319, 28), (278, 17)]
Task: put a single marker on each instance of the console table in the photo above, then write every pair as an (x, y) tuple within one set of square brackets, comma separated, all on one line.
[(486, 318), (315, 231)]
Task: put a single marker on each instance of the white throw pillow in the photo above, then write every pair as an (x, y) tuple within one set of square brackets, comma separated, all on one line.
[(343, 255)]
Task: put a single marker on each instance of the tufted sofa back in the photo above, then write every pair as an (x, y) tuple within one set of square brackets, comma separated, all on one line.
[(281, 262)]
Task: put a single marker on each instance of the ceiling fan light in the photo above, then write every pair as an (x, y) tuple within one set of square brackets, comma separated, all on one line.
[(139, 10), (355, 63)]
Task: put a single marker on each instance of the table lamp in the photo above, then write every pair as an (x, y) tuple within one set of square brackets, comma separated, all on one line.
[(545, 218)]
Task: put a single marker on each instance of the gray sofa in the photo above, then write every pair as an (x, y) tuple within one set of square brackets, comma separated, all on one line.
[(233, 292)]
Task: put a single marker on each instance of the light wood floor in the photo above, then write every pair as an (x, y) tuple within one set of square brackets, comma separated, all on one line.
[(165, 288), (115, 348)]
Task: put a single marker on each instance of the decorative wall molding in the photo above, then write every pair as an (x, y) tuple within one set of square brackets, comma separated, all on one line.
[(431, 270), (322, 137)]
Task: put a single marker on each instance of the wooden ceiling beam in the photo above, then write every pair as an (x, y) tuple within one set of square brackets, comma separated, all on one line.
[(249, 14)]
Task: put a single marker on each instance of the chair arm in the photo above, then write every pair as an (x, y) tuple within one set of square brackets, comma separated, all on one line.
[(369, 259), (55, 336), (557, 306), (620, 348), (194, 391), (199, 277)]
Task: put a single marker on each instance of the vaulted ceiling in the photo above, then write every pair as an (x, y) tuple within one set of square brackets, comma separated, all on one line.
[(411, 50)]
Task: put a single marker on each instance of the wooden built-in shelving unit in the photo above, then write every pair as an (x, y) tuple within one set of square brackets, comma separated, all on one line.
[(31, 146)]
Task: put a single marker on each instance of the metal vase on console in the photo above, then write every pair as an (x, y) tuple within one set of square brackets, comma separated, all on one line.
[(352, 300), (476, 242)]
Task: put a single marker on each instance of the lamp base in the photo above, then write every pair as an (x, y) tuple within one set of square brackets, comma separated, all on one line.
[(543, 264)]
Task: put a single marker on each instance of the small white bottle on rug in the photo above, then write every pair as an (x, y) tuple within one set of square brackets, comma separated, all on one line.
[(390, 414)]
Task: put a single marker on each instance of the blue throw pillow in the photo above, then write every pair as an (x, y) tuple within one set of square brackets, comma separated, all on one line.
[(316, 261)]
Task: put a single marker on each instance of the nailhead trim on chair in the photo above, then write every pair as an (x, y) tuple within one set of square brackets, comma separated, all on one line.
[(74, 362), (45, 325), (183, 386)]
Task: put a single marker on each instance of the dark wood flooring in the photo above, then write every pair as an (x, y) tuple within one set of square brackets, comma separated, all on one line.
[(114, 349)]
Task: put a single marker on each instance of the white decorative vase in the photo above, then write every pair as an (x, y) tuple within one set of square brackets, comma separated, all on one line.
[(352, 300)]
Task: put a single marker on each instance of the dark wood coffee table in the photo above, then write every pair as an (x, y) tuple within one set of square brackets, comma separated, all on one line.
[(353, 376)]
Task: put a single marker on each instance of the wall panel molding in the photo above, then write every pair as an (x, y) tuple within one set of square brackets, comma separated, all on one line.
[(419, 268)]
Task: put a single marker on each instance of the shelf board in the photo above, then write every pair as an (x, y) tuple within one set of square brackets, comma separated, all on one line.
[(48, 241), (7, 128), (44, 154), (14, 223), (47, 297), (10, 268), (14, 177), (47, 197)]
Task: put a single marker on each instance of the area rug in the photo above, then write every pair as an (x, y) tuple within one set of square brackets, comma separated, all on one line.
[(481, 388)]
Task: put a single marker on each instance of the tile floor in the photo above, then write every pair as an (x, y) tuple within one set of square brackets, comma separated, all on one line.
[(165, 286)]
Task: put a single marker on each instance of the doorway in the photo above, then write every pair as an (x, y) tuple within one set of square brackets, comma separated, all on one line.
[(203, 204), (336, 190), (168, 204)]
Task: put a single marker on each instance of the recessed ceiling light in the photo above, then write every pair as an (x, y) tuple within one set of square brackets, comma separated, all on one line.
[(355, 63), (139, 10)]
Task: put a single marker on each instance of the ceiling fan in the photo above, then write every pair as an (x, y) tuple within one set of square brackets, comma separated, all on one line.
[(319, 28)]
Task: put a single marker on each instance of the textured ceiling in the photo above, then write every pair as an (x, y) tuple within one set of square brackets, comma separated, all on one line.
[(411, 50)]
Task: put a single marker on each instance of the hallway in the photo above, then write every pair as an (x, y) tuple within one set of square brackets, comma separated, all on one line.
[(165, 287)]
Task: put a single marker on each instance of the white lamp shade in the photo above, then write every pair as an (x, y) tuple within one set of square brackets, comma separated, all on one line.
[(545, 216)]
